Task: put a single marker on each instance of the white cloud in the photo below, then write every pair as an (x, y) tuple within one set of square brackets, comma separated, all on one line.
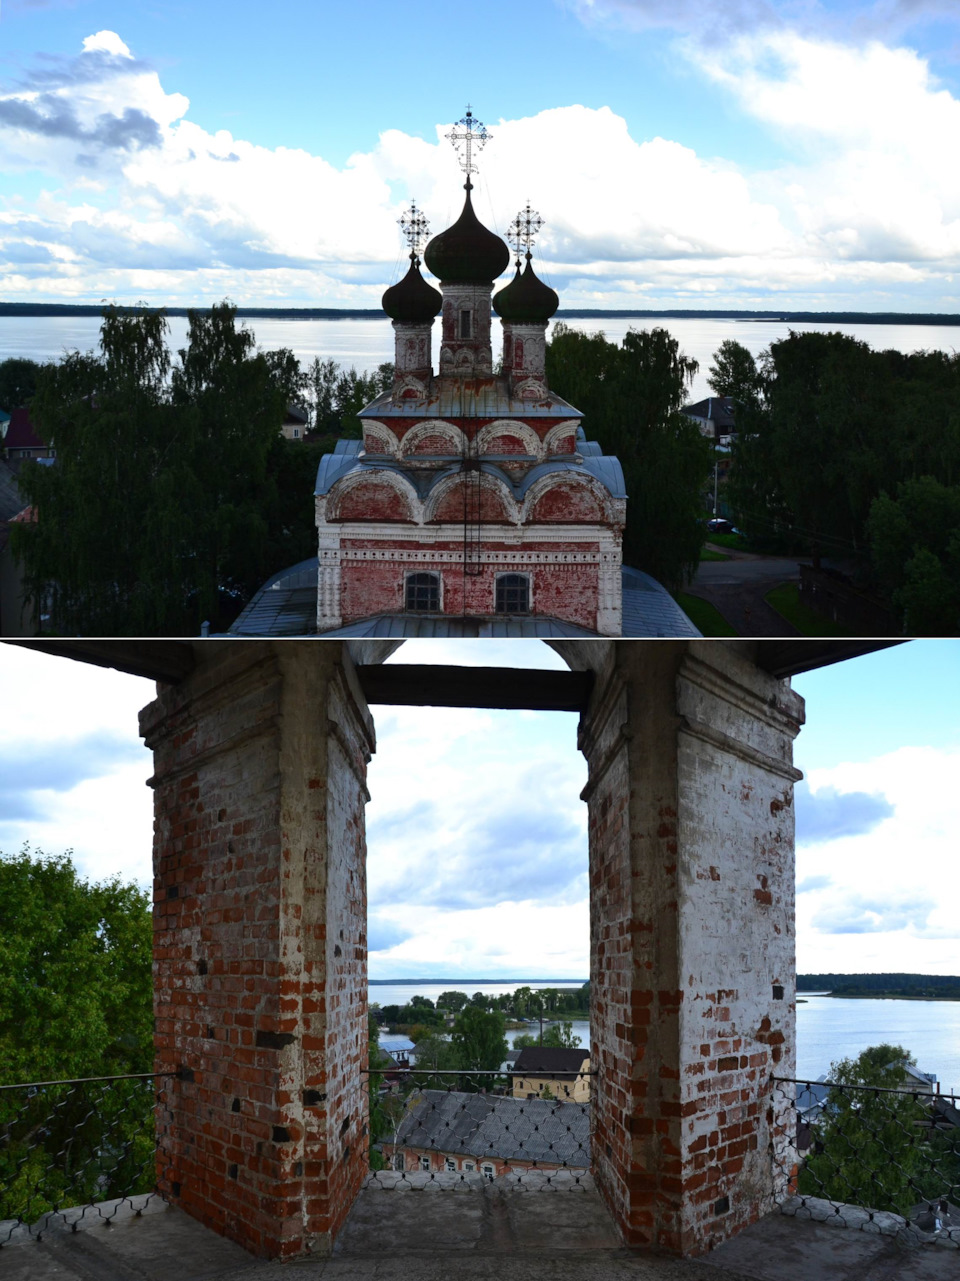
[(884, 893), (143, 201)]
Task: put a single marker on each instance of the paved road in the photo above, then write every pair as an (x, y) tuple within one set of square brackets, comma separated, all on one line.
[(736, 587)]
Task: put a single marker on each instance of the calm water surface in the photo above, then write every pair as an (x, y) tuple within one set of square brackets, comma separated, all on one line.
[(827, 1029), (367, 343)]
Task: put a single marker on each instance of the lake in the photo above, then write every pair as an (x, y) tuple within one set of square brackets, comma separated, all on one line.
[(827, 1029), (368, 343)]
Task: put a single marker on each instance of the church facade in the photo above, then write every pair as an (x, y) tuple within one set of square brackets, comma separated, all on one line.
[(473, 493)]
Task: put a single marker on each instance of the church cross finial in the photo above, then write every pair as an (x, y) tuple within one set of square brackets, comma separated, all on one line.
[(415, 228), (523, 231), (467, 134)]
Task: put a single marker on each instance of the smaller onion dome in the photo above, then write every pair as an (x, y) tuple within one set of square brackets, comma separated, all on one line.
[(412, 299), (467, 252), (526, 298)]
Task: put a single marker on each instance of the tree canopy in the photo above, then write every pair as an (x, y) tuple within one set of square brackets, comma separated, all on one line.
[(18, 381), (76, 995), (478, 1039), (631, 396), (174, 494), (847, 452)]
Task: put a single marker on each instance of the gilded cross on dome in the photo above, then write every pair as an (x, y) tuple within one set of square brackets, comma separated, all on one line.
[(467, 133), (523, 231), (414, 225)]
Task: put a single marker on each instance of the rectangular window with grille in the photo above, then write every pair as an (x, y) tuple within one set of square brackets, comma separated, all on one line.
[(423, 593), (513, 594), (464, 324)]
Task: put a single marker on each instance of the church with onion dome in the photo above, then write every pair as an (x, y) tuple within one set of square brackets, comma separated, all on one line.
[(473, 499)]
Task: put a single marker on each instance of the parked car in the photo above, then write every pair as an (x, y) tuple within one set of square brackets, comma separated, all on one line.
[(720, 526)]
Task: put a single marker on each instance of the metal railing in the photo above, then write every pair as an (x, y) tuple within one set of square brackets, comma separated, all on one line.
[(436, 1128), (68, 1147), (878, 1159)]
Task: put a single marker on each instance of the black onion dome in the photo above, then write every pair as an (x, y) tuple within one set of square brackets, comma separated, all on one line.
[(526, 298), (412, 299), (467, 252)]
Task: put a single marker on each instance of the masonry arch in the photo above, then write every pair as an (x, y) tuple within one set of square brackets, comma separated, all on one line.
[(260, 753)]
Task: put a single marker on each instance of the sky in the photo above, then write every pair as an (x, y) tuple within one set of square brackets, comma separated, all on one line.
[(758, 154), (477, 841)]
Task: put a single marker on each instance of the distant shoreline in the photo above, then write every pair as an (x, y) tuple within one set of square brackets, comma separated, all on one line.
[(30, 310), (444, 982)]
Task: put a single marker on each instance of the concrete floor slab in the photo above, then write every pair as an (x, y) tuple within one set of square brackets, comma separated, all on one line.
[(477, 1234)]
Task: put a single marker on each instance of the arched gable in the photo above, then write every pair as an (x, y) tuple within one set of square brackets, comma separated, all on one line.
[(508, 436), (566, 498), (561, 438), (433, 437), (374, 496), (378, 438), (446, 502)]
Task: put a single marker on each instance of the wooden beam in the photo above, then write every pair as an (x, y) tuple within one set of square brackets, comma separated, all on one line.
[(169, 661), (420, 685), (791, 657)]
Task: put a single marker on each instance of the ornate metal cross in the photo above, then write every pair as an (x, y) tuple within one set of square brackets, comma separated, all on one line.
[(473, 133), (414, 225), (523, 231)]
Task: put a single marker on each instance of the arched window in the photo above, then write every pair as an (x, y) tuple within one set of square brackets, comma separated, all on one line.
[(513, 594), (422, 594)]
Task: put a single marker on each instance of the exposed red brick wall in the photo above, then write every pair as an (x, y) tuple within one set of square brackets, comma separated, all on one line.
[(260, 1005), (451, 507), (568, 591), (372, 501), (692, 955), (567, 502)]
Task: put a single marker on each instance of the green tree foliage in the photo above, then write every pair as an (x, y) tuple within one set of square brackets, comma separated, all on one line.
[(478, 1039), (155, 511), (453, 1001), (337, 395), (75, 1001), (561, 1036), (75, 977), (853, 453), (631, 396), (915, 546), (734, 372), (18, 382), (869, 1148)]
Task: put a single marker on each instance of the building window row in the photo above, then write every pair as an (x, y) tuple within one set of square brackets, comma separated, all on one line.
[(422, 593)]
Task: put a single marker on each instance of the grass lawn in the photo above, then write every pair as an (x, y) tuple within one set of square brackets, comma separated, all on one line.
[(706, 553), (704, 616), (736, 542), (785, 599)]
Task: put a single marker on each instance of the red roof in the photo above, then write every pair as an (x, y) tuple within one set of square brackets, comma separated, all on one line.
[(21, 433)]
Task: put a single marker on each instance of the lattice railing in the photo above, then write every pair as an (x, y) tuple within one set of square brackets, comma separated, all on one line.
[(75, 1149), (885, 1160)]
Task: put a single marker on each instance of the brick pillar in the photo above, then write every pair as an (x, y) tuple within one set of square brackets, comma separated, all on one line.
[(690, 799), (260, 939)]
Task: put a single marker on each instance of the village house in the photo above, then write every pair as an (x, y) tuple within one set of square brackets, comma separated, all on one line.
[(489, 1134), (546, 1072)]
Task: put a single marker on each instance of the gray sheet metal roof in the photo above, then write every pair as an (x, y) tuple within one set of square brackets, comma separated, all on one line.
[(470, 398), (334, 467), (286, 604), (649, 609), (490, 1125)]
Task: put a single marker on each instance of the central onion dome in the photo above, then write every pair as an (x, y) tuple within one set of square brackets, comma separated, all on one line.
[(526, 298), (412, 299), (467, 252)]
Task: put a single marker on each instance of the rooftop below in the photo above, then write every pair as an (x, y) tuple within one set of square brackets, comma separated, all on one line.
[(482, 1233)]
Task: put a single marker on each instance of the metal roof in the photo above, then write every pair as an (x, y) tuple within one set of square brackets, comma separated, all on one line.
[(470, 398), (490, 1125), (334, 467), (650, 610)]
